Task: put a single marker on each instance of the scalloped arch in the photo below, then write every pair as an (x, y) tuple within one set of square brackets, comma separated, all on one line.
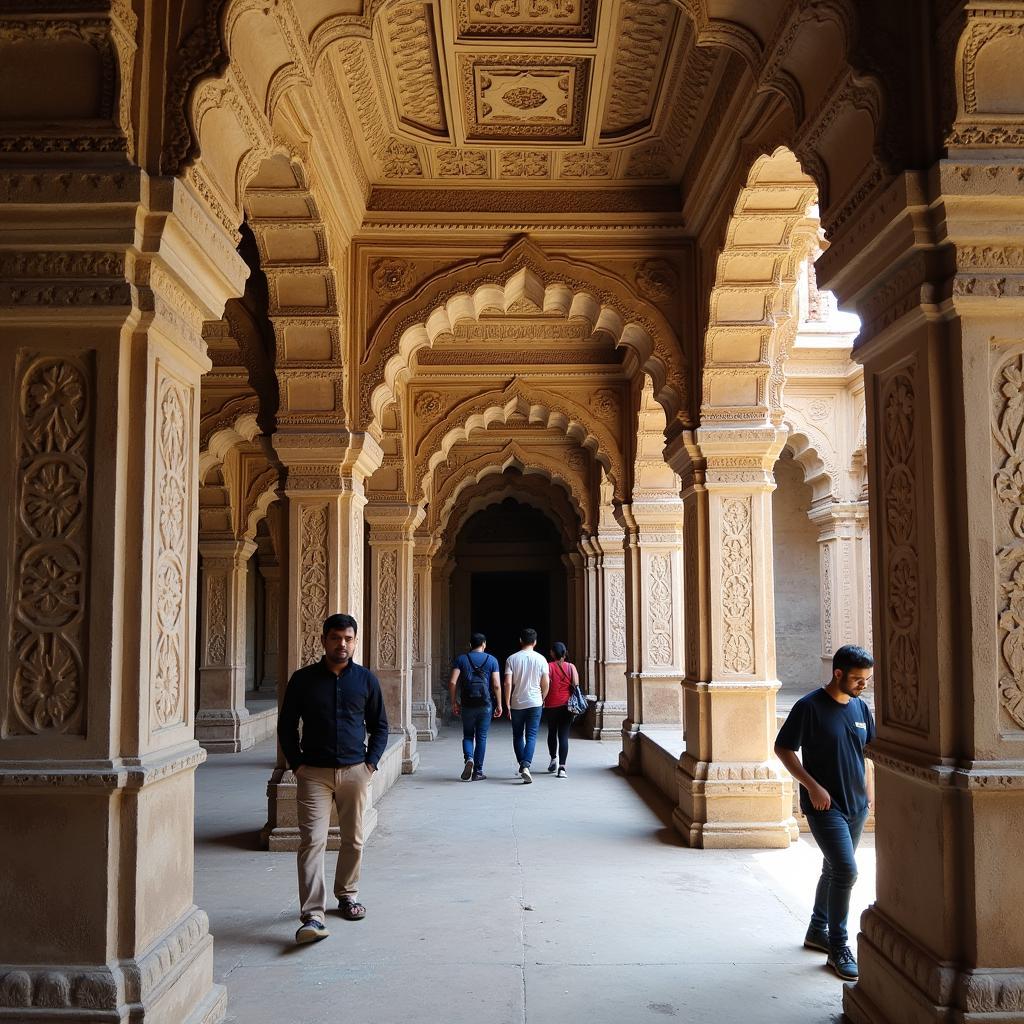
[(523, 281), (537, 406)]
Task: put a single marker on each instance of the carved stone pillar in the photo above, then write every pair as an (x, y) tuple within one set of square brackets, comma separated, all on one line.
[(610, 668), (325, 501), (654, 573), (222, 716), (391, 616), (575, 587), (270, 573), (731, 789), (591, 616), (424, 711), (102, 301), (441, 629), (843, 551), (942, 346)]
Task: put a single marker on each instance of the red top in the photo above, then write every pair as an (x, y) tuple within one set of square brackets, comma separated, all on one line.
[(561, 676)]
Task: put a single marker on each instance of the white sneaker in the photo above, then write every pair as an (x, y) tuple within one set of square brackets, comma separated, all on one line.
[(525, 772), (553, 767), (561, 773)]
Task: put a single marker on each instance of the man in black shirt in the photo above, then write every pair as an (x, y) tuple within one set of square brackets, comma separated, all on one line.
[(831, 726), (338, 703)]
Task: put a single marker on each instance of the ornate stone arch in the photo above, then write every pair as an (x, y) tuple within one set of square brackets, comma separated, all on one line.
[(815, 454), (522, 281), (513, 456), (492, 490), (752, 322), (518, 401)]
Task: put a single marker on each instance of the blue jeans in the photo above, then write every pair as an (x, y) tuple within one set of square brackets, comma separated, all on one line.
[(528, 720), (837, 837), (475, 724)]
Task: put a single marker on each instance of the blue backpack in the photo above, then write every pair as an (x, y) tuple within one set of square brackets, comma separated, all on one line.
[(475, 687)]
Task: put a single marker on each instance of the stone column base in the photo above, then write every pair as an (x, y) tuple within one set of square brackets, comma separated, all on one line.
[(902, 981), (224, 730), (604, 720), (281, 831), (629, 756), (170, 983), (424, 718), (728, 806)]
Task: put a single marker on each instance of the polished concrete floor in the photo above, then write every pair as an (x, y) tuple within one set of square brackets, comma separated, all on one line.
[(498, 903)]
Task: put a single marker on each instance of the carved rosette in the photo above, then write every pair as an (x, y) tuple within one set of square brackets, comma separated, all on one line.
[(172, 475), (616, 616), (216, 619), (737, 586), (905, 705), (659, 646), (313, 584), (53, 504), (387, 583), (1008, 467)]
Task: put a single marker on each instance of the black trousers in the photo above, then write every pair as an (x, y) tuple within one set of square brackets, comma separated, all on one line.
[(559, 720)]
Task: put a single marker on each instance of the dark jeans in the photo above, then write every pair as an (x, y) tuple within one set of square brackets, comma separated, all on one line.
[(837, 837), (559, 720), (525, 720), (475, 724)]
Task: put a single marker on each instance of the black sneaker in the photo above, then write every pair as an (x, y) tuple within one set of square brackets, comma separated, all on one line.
[(817, 938), (312, 930), (844, 963), (477, 776), (467, 771)]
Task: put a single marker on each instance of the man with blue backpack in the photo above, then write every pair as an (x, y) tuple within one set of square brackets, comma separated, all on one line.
[(478, 672)]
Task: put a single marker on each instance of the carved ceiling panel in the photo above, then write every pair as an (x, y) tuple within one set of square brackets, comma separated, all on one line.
[(487, 93)]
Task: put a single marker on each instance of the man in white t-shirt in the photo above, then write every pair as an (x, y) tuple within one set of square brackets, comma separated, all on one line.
[(526, 686)]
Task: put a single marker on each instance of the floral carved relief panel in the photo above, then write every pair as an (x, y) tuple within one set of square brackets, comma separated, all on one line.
[(313, 582), (737, 586), (172, 503), (387, 618), (659, 643), (616, 616), (216, 619), (1008, 469), (906, 704), (826, 601), (52, 503), (416, 624)]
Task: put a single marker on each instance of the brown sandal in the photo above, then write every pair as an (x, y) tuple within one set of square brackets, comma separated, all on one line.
[(351, 910)]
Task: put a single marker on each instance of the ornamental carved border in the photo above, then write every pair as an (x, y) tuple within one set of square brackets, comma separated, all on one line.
[(691, 577), (660, 647), (737, 568), (54, 437), (616, 615), (906, 703), (313, 582), (172, 533), (1008, 500), (216, 618), (387, 608)]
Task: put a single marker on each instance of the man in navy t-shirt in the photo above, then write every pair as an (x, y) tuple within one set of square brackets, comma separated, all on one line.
[(830, 727), (478, 699)]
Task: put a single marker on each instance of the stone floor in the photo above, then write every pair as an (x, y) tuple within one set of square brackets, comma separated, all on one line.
[(494, 902)]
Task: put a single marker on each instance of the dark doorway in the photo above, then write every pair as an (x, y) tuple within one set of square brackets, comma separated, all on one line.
[(503, 603)]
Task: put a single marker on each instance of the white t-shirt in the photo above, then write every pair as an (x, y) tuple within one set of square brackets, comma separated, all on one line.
[(526, 667)]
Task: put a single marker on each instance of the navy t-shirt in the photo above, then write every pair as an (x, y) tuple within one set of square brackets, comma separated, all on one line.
[(462, 663), (831, 738)]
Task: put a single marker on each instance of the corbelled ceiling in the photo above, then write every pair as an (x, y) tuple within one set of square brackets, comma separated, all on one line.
[(526, 92)]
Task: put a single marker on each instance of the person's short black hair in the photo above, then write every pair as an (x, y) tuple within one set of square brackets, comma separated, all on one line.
[(851, 656), (559, 650), (528, 636), (477, 639), (340, 622)]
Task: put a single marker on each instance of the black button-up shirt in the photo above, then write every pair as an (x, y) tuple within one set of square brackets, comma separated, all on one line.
[(337, 713)]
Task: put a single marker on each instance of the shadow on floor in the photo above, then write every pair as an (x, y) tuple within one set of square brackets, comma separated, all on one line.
[(247, 840), (656, 802)]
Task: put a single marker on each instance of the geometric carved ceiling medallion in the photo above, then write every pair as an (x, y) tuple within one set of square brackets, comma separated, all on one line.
[(524, 98)]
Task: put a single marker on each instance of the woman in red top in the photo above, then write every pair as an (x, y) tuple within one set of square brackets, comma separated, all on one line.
[(563, 677)]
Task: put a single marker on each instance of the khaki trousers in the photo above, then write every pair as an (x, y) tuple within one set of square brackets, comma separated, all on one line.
[(317, 789)]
